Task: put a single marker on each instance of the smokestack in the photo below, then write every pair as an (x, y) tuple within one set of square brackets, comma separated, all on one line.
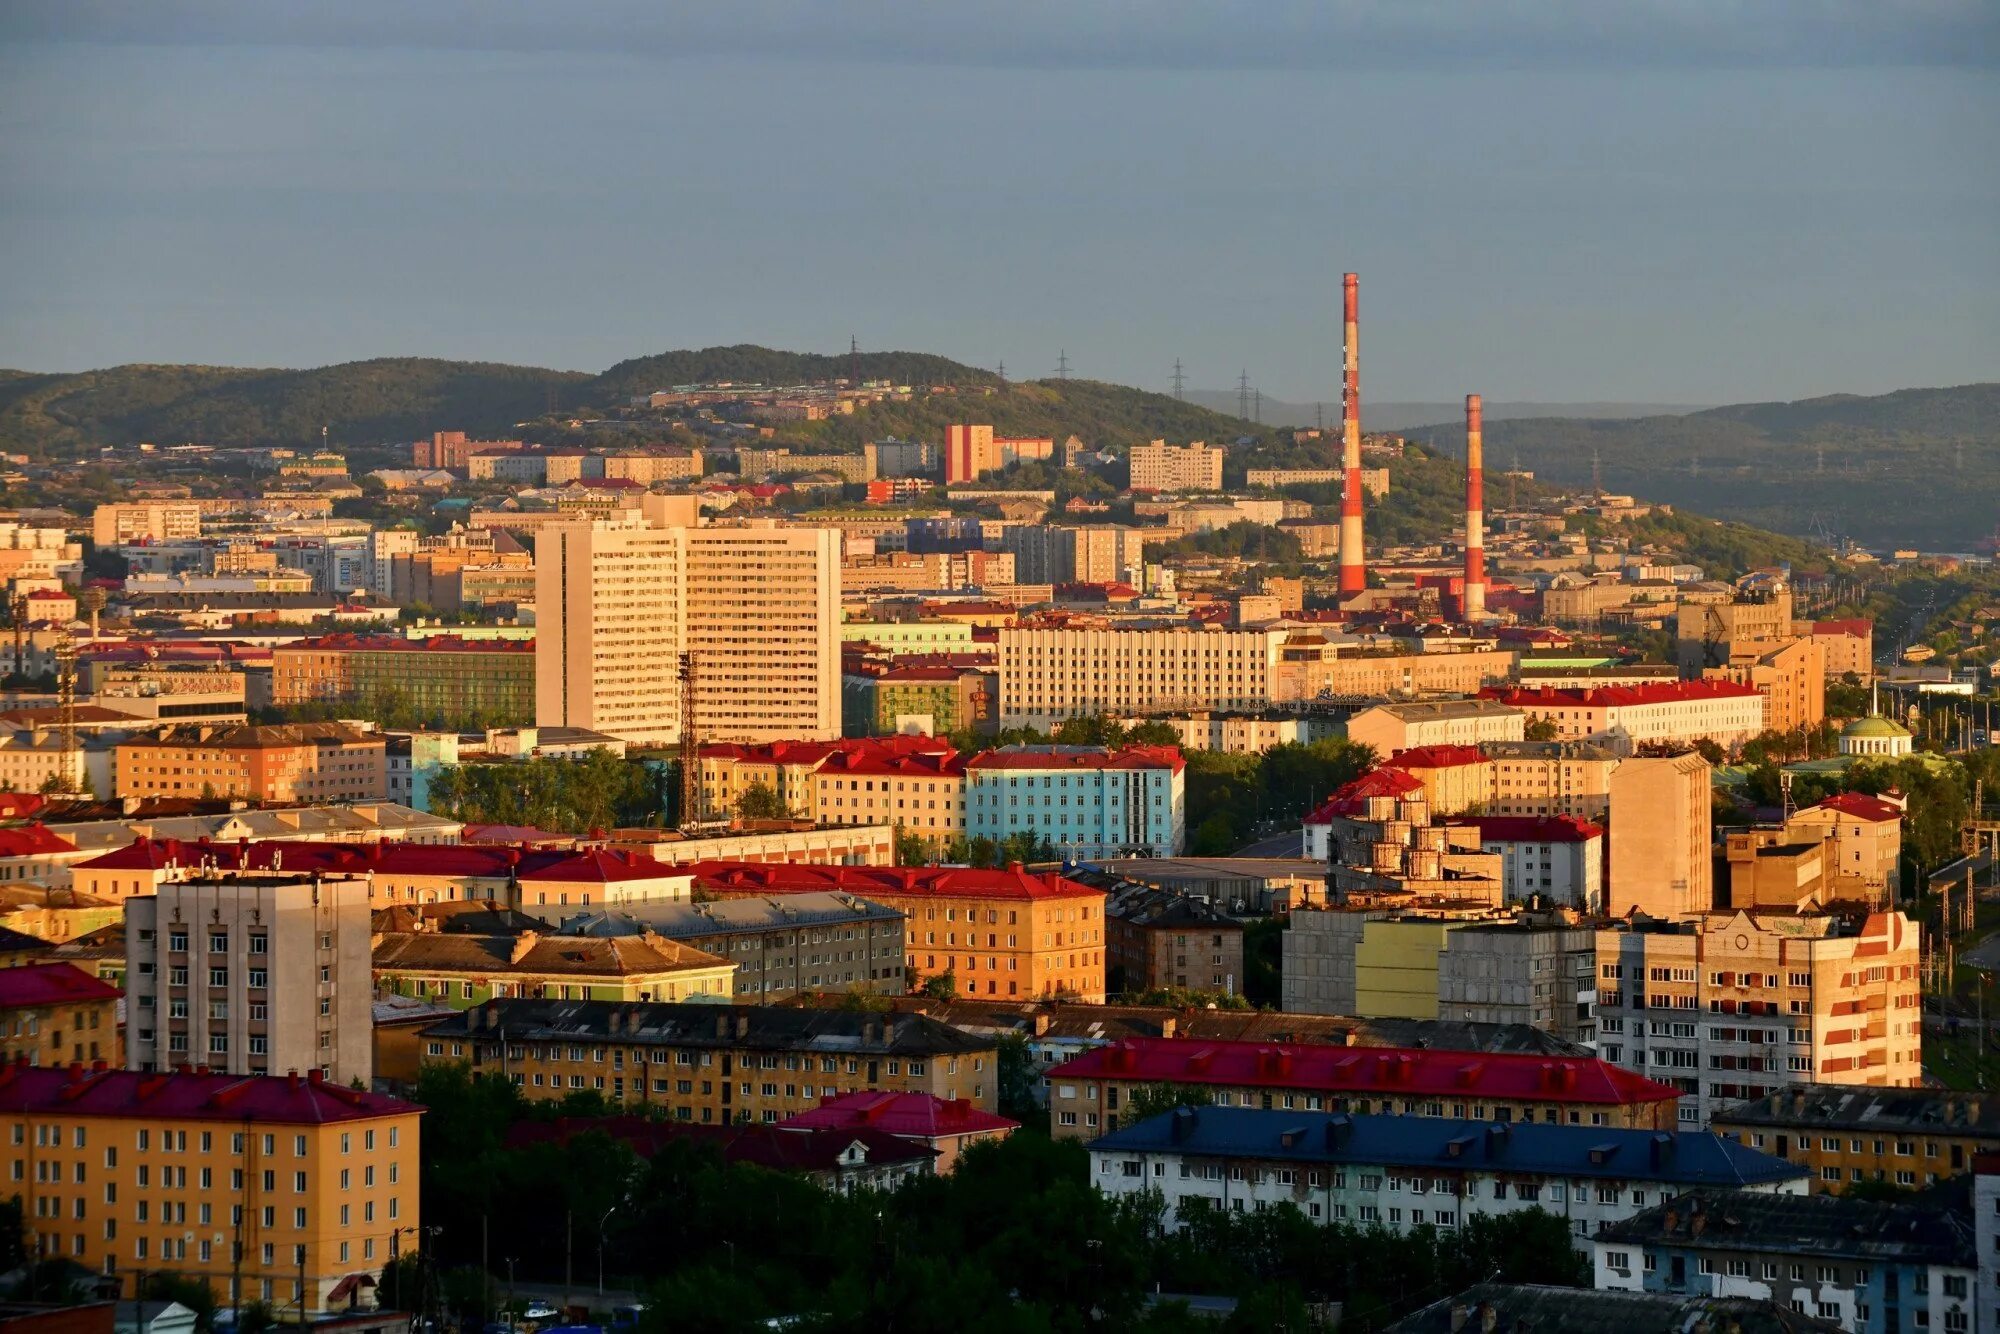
[(1353, 574), (1475, 513)]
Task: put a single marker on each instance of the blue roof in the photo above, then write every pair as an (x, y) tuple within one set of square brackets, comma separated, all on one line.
[(1696, 1157)]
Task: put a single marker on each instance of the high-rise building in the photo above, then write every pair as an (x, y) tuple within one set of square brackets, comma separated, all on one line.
[(1159, 466), (251, 975), (620, 600), (1662, 859)]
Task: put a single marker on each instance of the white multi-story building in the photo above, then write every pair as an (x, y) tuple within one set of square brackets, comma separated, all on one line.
[(1681, 711), (1049, 675), (1405, 1172), (618, 601), (1159, 466), (258, 975)]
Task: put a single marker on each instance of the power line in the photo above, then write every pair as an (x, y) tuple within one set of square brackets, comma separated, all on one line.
[(1062, 364), (1180, 380), (1003, 374), (1243, 395), (1257, 412)]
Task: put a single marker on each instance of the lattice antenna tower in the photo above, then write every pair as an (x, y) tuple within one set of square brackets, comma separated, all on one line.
[(690, 812)]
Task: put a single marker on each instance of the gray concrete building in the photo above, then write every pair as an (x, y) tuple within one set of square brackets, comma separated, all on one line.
[(1542, 974), (257, 974), (782, 946)]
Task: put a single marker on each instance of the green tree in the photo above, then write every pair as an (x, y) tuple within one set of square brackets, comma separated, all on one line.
[(760, 802), (1147, 1101), (1541, 729)]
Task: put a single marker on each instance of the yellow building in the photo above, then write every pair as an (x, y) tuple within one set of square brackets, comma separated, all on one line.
[(714, 1063), (461, 969), (1846, 1135), (1396, 967), (52, 1014), (127, 1173), (1159, 466), (1733, 1006), (1661, 861)]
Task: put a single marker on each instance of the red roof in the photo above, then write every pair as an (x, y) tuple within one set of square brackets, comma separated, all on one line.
[(1352, 798), (32, 840), (1858, 629), (1436, 757), (1861, 806), (782, 1149), (20, 805), (599, 866), (1132, 757), (197, 1095), (900, 766), (51, 984), (943, 882), (908, 1115), (818, 752), (360, 643), (1529, 828), (1620, 697), (481, 861), (1405, 1072)]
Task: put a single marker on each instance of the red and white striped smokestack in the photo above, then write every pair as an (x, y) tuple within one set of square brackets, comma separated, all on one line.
[(1475, 512), (1353, 573)]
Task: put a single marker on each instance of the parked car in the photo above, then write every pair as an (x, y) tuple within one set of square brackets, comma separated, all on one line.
[(539, 1310)]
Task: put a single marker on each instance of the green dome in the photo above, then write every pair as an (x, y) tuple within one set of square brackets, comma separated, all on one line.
[(1875, 726)]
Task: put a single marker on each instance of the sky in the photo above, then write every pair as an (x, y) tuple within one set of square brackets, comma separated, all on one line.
[(1676, 201)]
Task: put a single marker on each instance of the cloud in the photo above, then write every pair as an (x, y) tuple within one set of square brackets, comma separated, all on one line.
[(1334, 35)]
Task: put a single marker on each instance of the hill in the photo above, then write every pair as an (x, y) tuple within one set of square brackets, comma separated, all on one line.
[(1917, 467), (1388, 415)]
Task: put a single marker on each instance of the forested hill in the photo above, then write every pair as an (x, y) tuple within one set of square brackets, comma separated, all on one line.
[(1916, 467), (402, 398)]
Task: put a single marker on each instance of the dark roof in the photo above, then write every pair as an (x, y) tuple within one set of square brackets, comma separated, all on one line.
[(1146, 905), (695, 1024), (20, 942), (1859, 1107), (531, 952), (780, 1149), (1548, 1310), (1688, 1157), (1808, 1226)]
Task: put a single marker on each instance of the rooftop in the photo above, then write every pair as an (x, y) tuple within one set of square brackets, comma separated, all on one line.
[(1078, 757), (696, 1024), (1529, 828), (1805, 1227), (677, 921), (1547, 1310), (50, 984), (939, 882), (1858, 1107), (1383, 1070), (196, 1095), (912, 1115), (1625, 697), (1688, 1157), (779, 1148)]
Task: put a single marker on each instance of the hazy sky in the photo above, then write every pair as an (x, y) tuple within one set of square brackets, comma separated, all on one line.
[(1674, 201)]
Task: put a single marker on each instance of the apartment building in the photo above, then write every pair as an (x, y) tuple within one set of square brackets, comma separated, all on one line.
[(1557, 859), (252, 975), (1724, 712), (1791, 676), (1089, 802), (789, 769), (787, 946), (125, 1173), (1048, 675), (1845, 1135), (1162, 940), (619, 601), (461, 968), (113, 525), (290, 762), (54, 1014), (1086, 1093), (1662, 860), (1708, 634), (1539, 971), (1868, 1267), (457, 681), (922, 794), (1864, 844), (1570, 778), (936, 700), (1001, 934), (1395, 675), (710, 1063), (1407, 1172), (972, 451), (451, 449), (1390, 728), (1083, 554), (647, 467), (1733, 1006), (1847, 647), (1159, 466)]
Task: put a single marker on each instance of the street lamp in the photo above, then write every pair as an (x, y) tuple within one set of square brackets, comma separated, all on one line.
[(601, 1223)]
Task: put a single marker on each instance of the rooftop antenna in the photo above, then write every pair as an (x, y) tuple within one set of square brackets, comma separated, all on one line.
[(1243, 395), (1180, 380), (1062, 364)]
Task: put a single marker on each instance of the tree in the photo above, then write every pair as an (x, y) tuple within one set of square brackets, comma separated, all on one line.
[(1540, 729), (911, 849), (940, 986), (1150, 1100), (760, 802)]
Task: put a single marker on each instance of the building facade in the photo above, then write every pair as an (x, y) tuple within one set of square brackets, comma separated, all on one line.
[(55, 1014), (1844, 1134), (252, 975), (290, 762), (1159, 466), (1090, 803), (442, 678)]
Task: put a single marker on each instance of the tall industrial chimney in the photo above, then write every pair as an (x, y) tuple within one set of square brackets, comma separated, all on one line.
[(1475, 513), (1353, 573)]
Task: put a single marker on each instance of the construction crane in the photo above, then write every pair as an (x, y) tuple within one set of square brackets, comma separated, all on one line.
[(690, 811), (65, 655)]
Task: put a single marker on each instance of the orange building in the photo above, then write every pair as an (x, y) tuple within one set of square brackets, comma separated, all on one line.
[(126, 1173), (994, 933), (53, 1014), (295, 762)]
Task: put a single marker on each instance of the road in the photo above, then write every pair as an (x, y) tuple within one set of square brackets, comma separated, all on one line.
[(1288, 844)]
